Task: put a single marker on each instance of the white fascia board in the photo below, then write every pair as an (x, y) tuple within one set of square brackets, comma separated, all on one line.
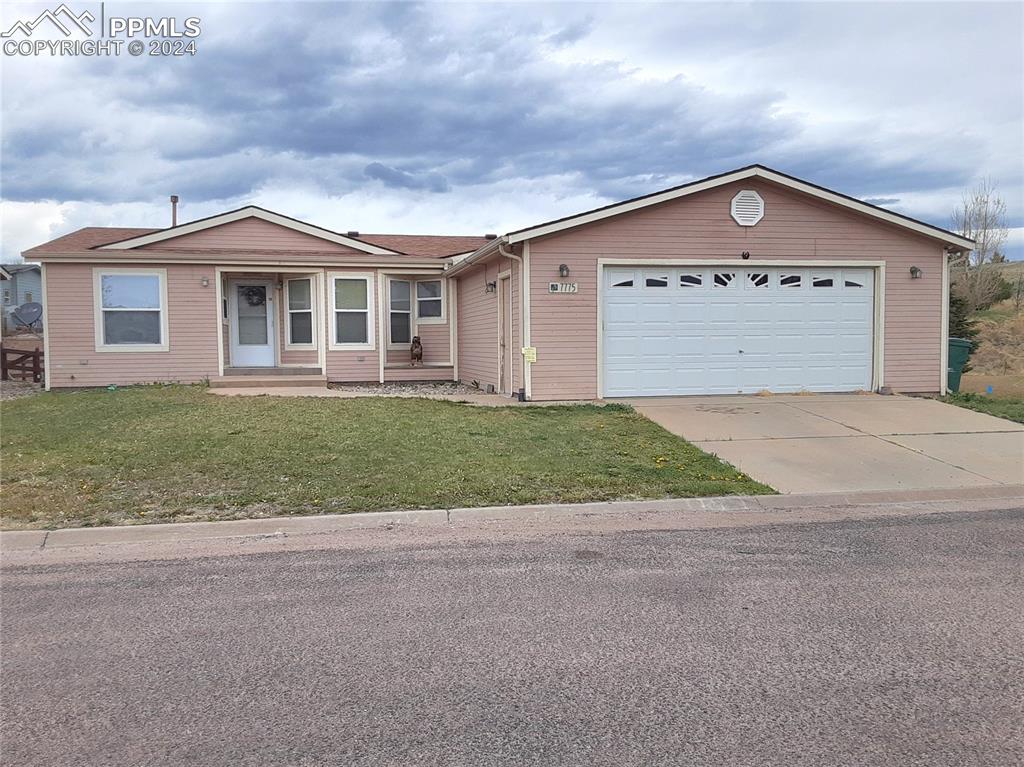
[(465, 261), (243, 213), (739, 175)]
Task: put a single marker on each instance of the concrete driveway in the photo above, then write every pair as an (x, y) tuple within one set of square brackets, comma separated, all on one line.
[(845, 443)]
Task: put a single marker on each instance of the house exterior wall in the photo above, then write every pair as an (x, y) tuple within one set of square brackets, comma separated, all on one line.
[(192, 314), (196, 327), (795, 228), (28, 286), (478, 323)]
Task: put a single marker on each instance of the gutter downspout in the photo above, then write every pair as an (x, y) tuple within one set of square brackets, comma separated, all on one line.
[(524, 330)]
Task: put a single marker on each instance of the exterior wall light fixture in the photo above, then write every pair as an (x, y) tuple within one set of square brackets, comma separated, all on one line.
[(563, 270), (915, 273), (491, 287)]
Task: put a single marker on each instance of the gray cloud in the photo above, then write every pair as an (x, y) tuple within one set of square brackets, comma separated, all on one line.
[(614, 101), (401, 179)]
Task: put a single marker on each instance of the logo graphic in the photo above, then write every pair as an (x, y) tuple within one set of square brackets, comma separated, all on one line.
[(27, 28)]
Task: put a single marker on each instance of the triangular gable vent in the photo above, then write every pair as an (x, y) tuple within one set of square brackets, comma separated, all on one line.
[(747, 208)]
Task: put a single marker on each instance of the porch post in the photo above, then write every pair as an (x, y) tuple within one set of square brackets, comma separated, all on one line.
[(382, 348)]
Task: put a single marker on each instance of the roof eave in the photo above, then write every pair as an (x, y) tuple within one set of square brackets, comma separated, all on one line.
[(476, 256), (163, 257)]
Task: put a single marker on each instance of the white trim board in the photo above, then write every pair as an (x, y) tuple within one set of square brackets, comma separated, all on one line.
[(728, 178), (250, 211)]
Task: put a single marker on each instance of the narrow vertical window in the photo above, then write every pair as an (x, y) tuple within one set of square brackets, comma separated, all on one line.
[(400, 313), (300, 311)]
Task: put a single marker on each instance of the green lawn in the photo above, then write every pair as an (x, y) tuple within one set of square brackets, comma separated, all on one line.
[(157, 454), (1010, 408)]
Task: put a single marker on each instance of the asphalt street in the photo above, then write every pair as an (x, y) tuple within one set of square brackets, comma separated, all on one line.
[(875, 641)]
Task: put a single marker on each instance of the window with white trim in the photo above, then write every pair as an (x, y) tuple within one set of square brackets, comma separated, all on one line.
[(429, 301), (400, 312), (131, 311), (299, 306), (352, 307)]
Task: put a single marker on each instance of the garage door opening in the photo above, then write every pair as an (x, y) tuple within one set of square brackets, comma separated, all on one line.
[(734, 329)]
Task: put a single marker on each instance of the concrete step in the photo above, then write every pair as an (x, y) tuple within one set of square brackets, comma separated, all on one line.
[(272, 372), (264, 381)]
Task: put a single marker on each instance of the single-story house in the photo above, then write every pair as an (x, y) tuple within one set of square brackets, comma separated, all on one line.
[(744, 282)]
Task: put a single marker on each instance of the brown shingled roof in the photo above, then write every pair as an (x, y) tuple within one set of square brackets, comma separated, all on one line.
[(437, 246), (84, 239), (426, 245)]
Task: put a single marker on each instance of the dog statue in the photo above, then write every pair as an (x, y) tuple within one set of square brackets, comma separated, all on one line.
[(416, 351)]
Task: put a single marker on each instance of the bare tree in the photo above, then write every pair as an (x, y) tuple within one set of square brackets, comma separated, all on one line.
[(981, 216)]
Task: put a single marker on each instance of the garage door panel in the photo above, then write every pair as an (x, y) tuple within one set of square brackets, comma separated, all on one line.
[(727, 330)]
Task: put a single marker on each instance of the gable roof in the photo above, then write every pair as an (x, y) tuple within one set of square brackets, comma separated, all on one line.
[(426, 245), (750, 171), (4, 274), (249, 211)]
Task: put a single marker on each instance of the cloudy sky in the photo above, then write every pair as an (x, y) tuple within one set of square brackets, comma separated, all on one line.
[(465, 119)]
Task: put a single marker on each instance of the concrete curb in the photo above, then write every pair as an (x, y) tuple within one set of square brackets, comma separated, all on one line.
[(22, 540)]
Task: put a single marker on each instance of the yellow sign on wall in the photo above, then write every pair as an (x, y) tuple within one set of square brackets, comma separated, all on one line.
[(530, 353)]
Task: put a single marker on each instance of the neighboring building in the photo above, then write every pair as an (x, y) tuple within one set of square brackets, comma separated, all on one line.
[(744, 282), (23, 285)]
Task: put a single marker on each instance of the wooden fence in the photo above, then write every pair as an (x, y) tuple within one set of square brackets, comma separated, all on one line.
[(21, 365)]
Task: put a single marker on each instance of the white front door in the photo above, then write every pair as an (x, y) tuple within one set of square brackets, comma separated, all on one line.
[(251, 323), (736, 329)]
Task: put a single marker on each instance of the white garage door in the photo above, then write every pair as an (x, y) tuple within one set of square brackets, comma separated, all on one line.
[(736, 330)]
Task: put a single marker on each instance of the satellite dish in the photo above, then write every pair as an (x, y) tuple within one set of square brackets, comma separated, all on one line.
[(28, 314)]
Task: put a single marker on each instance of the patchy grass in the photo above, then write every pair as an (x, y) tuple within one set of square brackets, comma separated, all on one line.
[(159, 454), (1010, 408)]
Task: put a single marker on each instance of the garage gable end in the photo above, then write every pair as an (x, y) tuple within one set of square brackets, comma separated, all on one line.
[(754, 176)]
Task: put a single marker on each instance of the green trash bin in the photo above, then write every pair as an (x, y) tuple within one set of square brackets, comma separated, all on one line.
[(959, 351)]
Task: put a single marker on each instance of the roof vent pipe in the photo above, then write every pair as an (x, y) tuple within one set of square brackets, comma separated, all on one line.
[(174, 210)]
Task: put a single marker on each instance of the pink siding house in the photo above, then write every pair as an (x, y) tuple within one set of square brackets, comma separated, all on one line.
[(745, 282)]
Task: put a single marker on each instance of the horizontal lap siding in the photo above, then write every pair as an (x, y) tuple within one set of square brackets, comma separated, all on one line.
[(193, 316), (418, 374), (478, 326), (436, 340), (795, 227), (249, 236), (517, 326)]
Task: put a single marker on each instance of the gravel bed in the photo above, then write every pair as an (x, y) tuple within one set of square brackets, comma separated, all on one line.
[(15, 389), (406, 389)]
